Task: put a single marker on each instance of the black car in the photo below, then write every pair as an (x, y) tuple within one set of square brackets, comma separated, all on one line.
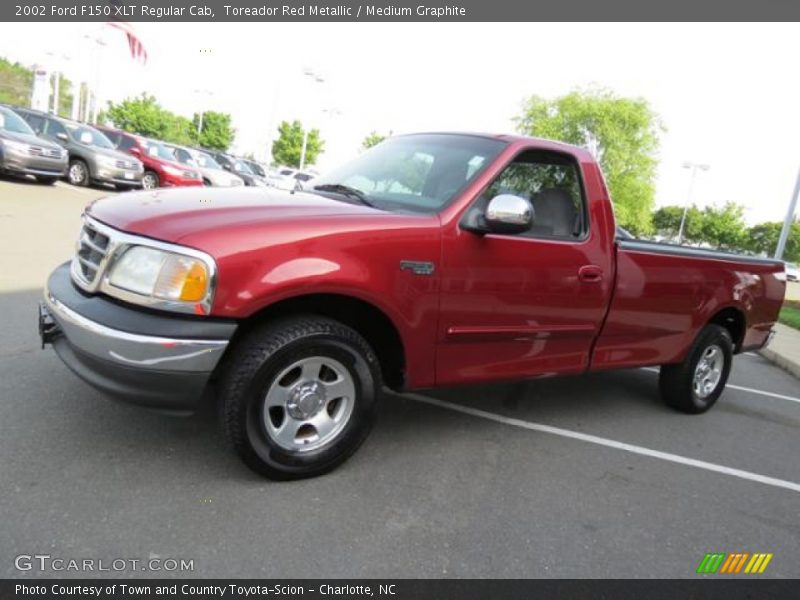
[(238, 167)]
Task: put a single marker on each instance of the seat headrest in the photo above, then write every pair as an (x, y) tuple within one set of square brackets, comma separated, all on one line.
[(555, 210)]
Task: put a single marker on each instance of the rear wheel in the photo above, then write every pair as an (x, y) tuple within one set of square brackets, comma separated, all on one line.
[(78, 173), (150, 180), (299, 396), (694, 385)]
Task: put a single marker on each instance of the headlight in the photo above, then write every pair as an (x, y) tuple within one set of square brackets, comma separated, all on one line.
[(107, 161), (17, 147), (162, 275), (173, 171)]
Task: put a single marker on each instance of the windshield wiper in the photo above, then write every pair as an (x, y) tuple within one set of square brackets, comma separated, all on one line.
[(345, 190)]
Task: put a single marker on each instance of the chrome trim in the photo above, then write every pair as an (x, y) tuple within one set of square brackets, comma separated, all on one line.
[(132, 349), (118, 243)]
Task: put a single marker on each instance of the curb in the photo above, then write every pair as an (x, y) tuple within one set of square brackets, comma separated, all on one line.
[(779, 359)]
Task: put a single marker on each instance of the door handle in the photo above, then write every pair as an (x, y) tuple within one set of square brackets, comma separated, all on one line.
[(590, 274)]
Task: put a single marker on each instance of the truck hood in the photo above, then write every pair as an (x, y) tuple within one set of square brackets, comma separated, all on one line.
[(170, 215)]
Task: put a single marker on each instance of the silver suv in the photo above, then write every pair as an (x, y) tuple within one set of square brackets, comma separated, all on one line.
[(23, 154)]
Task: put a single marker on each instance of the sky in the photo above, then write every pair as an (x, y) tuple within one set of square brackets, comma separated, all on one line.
[(725, 93)]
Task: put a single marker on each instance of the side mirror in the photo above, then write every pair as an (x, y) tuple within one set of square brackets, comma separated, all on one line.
[(135, 150), (62, 136), (507, 213)]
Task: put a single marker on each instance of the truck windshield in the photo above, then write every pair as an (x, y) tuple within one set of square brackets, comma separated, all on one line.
[(12, 123), (421, 173)]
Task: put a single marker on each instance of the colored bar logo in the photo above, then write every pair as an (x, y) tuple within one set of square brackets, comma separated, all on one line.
[(737, 562)]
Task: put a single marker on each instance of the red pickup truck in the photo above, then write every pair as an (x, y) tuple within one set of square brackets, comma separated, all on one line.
[(431, 260)]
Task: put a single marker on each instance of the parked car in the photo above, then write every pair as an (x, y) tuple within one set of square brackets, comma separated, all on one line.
[(237, 167), (287, 178), (211, 171), (161, 169), (430, 260), (792, 272), (22, 153), (256, 169), (92, 157)]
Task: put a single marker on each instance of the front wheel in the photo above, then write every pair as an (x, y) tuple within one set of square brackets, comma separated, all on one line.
[(78, 173), (299, 396), (150, 180), (694, 385)]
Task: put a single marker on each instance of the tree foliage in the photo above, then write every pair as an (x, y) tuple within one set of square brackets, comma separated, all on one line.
[(287, 148), (217, 133), (17, 84), (145, 116), (623, 134), (373, 139), (763, 239), (724, 228)]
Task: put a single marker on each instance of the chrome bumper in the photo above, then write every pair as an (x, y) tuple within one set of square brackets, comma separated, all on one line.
[(132, 350)]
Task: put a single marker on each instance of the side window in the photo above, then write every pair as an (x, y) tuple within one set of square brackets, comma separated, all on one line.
[(113, 137), (36, 122), (184, 157), (126, 143), (552, 183), (54, 128)]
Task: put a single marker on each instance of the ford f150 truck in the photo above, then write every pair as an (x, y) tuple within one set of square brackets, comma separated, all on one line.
[(431, 260)]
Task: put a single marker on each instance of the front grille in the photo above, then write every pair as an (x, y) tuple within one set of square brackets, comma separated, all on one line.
[(191, 175), (46, 152), (92, 250), (126, 164)]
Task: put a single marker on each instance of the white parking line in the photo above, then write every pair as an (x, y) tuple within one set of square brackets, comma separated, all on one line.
[(600, 441), (744, 389)]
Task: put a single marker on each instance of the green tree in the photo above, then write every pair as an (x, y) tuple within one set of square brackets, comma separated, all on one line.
[(763, 239), (667, 222), (724, 227), (17, 81), (287, 148), (217, 132), (621, 132), (145, 116), (373, 139)]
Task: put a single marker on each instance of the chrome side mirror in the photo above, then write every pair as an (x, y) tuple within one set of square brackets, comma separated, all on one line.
[(507, 213)]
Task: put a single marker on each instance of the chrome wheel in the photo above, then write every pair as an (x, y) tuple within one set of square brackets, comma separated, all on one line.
[(708, 371), (149, 181), (309, 403), (77, 173)]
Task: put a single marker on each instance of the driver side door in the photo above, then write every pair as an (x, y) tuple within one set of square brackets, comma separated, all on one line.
[(526, 304)]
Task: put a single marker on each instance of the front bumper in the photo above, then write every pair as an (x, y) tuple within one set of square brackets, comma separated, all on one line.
[(159, 361), (24, 164), (117, 176)]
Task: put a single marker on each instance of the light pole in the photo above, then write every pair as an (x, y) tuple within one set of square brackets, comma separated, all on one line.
[(316, 79), (91, 115), (694, 167), (208, 93), (787, 224)]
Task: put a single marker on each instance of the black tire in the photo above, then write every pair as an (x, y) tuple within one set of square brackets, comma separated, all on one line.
[(253, 369), (78, 173), (150, 180), (207, 182), (47, 180), (677, 382)]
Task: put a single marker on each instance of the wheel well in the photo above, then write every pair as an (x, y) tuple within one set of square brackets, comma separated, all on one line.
[(369, 321), (733, 320)]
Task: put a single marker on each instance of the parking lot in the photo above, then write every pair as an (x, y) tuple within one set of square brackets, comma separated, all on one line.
[(577, 477)]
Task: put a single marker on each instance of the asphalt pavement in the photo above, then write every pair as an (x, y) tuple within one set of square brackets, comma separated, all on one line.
[(587, 476)]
